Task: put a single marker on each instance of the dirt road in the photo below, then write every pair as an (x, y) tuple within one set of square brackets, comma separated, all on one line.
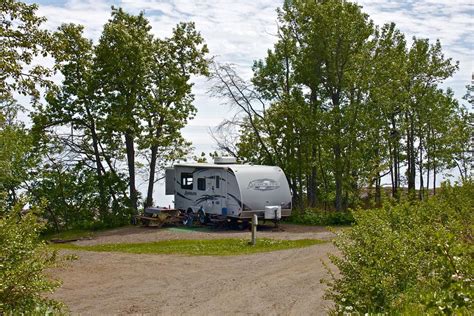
[(276, 283)]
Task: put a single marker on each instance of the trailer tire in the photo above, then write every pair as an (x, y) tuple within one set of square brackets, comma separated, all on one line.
[(203, 217), (188, 218), (244, 225)]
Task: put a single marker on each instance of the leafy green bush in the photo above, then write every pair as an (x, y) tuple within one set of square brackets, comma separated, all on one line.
[(73, 202), (319, 217), (409, 258), (23, 259)]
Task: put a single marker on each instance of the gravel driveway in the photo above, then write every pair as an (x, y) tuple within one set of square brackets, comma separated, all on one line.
[(283, 282)]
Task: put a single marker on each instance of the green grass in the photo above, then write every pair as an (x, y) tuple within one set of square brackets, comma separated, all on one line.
[(207, 247)]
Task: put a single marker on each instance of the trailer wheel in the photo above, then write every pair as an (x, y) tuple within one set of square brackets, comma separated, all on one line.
[(188, 218), (203, 218), (243, 225)]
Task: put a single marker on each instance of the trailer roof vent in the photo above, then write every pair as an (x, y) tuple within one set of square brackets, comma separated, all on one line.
[(225, 160)]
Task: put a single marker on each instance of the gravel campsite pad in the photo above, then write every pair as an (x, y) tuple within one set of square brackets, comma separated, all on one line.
[(278, 282)]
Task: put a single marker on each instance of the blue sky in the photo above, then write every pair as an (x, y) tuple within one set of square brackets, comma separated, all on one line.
[(241, 31)]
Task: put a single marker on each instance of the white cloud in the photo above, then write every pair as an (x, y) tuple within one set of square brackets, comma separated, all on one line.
[(90, 13), (450, 21)]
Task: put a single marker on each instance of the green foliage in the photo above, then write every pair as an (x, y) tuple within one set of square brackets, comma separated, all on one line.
[(322, 218), (205, 247), (17, 156), (130, 86), (409, 257), (340, 103), (23, 260), (71, 199), (21, 40)]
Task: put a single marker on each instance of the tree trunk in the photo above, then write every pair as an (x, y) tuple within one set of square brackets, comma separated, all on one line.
[(396, 176), (378, 191), (411, 171), (422, 187), (312, 184), (338, 176), (300, 179), (55, 219), (154, 156), (131, 170), (396, 158), (428, 161), (99, 167), (294, 190), (322, 173), (428, 178), (312, 180), (151, 176), (337, 151), (391, 168)]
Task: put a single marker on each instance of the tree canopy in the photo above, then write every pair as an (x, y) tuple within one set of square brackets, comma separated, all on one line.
[(341, 103)]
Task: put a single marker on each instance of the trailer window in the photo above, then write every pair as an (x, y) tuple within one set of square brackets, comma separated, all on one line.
[(186, 181), (218, 180), (202, 184)]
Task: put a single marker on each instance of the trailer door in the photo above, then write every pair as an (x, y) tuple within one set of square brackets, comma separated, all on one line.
[(219, 193), (170, 181)]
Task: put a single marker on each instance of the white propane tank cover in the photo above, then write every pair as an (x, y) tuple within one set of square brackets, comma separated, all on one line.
[(225, 160), (271, 211)]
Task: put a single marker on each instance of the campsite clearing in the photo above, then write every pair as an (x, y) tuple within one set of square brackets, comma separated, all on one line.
[(278, 282)]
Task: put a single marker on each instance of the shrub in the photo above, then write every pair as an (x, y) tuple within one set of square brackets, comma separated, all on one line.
[(73, 201), (23, 259), (408, 258), (319, 217)]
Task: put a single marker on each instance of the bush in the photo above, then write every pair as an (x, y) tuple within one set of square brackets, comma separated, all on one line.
[(23, 259), (318, 217), (73, 201), (409, 258)]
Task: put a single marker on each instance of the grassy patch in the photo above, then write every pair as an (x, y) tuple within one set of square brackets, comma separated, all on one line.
[(207, 247)]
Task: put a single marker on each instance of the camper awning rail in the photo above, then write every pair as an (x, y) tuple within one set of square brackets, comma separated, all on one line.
[(220, 166)]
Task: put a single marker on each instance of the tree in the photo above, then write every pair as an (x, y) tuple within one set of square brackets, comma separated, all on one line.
[(339, 104), (21, 41), (17, 157), (124, 56), (317, 65), (332, 39), (426, 68), (145, 85), (74, 104), (385, 101)]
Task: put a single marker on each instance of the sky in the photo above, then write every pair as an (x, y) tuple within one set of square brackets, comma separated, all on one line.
[(241, 31)]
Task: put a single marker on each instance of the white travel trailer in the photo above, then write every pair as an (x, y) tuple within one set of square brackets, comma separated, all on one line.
[(225, 189)]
